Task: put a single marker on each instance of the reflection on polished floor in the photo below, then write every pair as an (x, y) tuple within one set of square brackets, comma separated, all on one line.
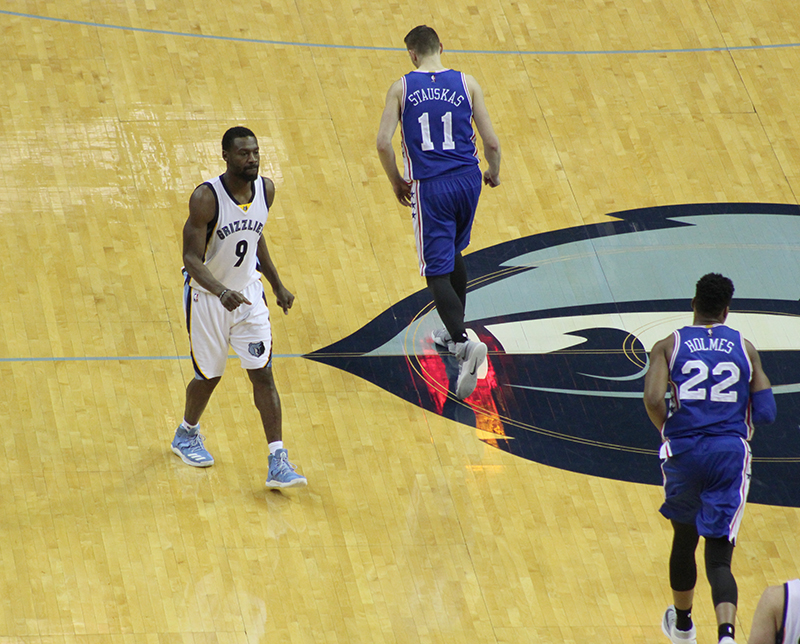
[(414, 526)]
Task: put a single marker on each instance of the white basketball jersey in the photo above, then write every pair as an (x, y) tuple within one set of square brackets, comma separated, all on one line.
[(791, 613), (232, 237)]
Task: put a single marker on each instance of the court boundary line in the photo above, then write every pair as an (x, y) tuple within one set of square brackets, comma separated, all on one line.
[(258, 41)]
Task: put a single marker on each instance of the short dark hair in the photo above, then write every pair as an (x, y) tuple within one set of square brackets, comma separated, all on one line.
[(237, 132), (712, 294), (423, 40)]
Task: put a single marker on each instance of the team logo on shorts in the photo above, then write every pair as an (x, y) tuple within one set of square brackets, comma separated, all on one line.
[(570, 317), (256, 349)]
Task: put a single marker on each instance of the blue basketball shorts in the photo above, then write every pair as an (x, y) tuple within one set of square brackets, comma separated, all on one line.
[(443, 210), (707, 486)]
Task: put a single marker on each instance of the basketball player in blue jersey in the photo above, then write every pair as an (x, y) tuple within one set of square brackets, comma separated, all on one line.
[(435, 108), (777, 617), (718, 391), (224, 254)]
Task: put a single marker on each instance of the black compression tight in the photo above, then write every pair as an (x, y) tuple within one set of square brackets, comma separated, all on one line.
[(682, 566), (718, 555), (450, 296)]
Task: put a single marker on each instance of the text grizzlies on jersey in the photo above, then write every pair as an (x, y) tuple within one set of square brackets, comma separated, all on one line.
[(436, 94), (236, 226), (709, 344)]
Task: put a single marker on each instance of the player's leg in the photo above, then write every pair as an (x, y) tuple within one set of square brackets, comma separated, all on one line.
[(434, 233), (206, 321), (448, 305), (681, 505), (465, 195), (267, 401), (471, 354), (251, 339), (458, 278), (729, 461), (188, 442), (281, 473), (443, 211), (677, 623), (724, 591), (198, 393)]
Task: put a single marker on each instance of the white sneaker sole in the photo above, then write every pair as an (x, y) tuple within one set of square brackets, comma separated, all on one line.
[(468, 371), (275, 485)]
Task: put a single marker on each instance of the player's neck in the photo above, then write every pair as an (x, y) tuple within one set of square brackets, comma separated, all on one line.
[(240, 188), (430, 64), (707, 320)]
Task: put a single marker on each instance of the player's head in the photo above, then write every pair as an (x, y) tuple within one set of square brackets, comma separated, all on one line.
[(422, 41), (713, 295), (240, 151)]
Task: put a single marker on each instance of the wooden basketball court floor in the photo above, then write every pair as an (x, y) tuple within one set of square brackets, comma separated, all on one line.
[(411, 529)]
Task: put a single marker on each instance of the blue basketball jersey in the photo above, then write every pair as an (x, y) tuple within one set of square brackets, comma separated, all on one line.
[(436, 124), (709, 379)]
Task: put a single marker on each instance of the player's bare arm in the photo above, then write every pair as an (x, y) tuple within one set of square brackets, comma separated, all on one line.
[(389, 122), (269, 190), (656, 381), (202, 207), (760, 380), (491, 144), (284, 298)]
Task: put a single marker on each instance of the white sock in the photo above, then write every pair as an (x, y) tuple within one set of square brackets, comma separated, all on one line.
[(190, 429), (274, 446)]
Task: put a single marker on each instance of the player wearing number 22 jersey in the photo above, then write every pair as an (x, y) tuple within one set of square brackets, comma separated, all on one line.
[(709, 382), (717, 391)]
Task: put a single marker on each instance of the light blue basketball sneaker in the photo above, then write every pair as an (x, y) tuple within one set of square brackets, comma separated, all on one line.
[(282, 473), (190, 448)]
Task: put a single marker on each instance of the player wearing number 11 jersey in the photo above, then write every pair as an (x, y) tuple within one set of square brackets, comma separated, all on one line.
[(717, 392), (436, 107)]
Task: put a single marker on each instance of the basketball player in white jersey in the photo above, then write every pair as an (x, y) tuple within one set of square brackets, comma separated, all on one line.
[(224, 254), (777, 618)]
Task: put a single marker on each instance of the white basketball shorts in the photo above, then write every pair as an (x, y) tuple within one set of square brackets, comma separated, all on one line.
[(212, 328)]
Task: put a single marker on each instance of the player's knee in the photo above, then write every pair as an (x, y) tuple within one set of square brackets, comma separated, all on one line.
[(262, 376), (208, 384), (685, 538)]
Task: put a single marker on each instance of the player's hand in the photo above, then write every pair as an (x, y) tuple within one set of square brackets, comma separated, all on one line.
[(491, 180), (284, 299), (232, 300), (402, 190)]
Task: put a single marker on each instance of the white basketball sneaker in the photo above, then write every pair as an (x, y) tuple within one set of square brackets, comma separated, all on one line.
[(675, 636), (471, 355)]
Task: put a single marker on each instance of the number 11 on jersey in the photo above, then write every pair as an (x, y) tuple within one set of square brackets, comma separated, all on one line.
[(427, 143)]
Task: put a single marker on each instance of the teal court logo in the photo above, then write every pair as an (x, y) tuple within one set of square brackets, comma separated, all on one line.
[(570, 316)]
